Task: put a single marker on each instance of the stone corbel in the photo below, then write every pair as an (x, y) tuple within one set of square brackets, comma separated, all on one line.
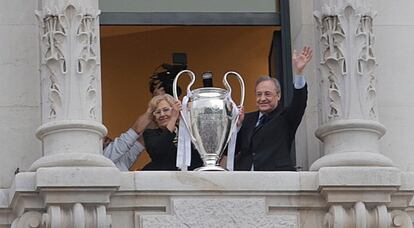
[(359, 216), (76, 215), (364, 197), (76, 197)]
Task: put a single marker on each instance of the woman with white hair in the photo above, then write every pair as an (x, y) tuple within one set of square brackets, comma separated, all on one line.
[(161, 142)]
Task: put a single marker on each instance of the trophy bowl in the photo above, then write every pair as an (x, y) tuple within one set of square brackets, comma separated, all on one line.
[(210, 118)]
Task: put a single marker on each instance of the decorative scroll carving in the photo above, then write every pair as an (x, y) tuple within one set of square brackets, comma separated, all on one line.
[(76, 216), (87, 60), (333, 60), (361, 217), (367, 64), (347, 60), (400, 219), (29, 219), (69, 45)]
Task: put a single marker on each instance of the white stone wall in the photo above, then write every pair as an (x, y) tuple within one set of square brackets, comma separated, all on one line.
[(303, 33), (394, 31), (19, 88)]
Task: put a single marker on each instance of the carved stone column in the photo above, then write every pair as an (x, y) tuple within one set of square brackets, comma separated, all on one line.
[(350, 129), (71, 129)]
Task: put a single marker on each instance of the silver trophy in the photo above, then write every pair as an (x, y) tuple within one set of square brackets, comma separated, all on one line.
[(210, 118)]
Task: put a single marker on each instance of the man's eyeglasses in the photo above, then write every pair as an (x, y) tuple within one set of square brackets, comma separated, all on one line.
[(158, 113)]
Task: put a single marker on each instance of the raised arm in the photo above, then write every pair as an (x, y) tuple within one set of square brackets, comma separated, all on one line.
[(300, 94), (124, 150)]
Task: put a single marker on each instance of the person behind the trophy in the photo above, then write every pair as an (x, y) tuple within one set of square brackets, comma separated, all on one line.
[(161, 142), (125, 149), (265, 137)]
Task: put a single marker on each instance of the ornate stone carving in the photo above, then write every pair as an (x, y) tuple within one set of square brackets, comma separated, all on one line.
[(334, 62), (350, 130), (347, 60), (30, 219), (69, 60), (213, 212), (361, 217), (76, 215), (71, 129)]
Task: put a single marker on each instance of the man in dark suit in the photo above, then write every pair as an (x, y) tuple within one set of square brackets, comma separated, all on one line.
[(265, 137)]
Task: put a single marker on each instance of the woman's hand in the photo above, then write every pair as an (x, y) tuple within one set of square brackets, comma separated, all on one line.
[(175, 115), (176, 109)]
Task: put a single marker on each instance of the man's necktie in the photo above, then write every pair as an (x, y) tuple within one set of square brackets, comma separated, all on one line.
[(262, 121)]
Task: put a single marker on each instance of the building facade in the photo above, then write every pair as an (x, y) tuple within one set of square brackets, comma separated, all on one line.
[(357, 171)]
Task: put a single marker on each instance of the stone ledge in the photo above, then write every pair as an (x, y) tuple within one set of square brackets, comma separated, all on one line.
[(161, 201), (24, 182), (68, 177), (407, 181), (219, 181), (356, 176)]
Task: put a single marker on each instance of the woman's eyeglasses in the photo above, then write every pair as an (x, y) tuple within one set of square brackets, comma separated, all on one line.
[(158, 113)]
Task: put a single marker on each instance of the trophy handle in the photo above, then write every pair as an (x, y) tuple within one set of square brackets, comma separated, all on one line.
[(192, 75), (233, 128), (227, 85)]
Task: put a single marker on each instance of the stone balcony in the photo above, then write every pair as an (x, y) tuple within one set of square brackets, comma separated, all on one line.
[(87, 197)]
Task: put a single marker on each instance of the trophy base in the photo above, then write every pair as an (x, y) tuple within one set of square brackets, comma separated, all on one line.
[(210, 168)]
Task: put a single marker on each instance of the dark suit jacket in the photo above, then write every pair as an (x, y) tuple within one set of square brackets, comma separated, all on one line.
[(163, 152), (269, 147)]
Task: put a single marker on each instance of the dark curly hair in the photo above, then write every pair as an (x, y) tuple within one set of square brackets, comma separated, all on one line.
[(164, 80)]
